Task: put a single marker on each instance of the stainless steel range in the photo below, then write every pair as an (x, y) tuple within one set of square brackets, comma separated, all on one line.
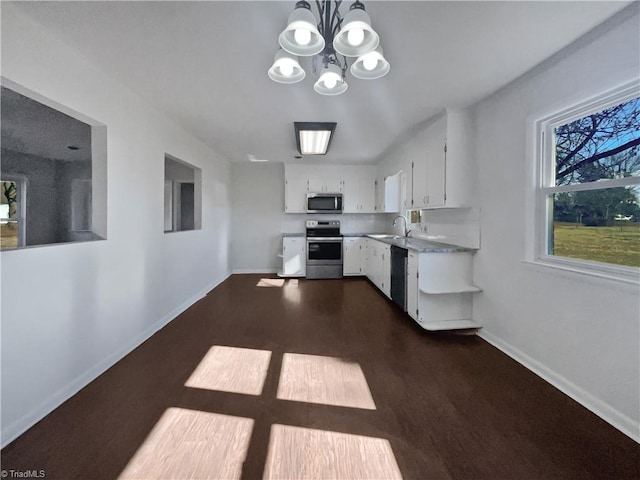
[(324, 249)]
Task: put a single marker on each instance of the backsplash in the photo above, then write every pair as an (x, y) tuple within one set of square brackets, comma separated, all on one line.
[(457, 226), (349, 223)]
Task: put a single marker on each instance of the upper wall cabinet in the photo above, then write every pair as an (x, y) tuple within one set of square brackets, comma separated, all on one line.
[(296, 187), (359, 189), (441, 176), (356, 183)]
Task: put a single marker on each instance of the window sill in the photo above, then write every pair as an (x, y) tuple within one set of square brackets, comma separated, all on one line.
[(628, 275)]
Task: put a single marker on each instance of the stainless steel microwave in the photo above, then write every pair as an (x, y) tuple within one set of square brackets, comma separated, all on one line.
[(324, 203)]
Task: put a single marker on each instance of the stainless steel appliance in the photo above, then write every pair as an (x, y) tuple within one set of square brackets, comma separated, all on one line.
[(324, 249), (324, 203), (399, 276)]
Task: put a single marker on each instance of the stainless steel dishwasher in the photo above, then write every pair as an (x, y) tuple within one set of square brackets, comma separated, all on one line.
[(399, 276)]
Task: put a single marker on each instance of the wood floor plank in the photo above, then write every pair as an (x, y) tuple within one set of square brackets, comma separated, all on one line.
[(450, 407)]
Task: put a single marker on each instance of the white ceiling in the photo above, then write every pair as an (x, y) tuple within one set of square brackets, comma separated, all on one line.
[(205, 64)]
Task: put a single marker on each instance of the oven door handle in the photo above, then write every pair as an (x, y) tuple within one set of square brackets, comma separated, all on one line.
[(324, 239)]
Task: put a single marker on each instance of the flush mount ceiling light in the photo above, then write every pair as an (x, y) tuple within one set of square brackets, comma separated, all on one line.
[(314, 138), (333, 36)]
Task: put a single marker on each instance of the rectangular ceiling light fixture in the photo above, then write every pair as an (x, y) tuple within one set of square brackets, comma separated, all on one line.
[(314, 138)]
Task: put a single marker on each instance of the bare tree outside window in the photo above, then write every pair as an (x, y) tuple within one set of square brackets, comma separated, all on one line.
[(595, 192)]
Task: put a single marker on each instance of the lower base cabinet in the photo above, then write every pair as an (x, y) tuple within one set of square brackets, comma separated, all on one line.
[(379, 265), (294, 257), (352, 255), (412, 285), (445, 290)]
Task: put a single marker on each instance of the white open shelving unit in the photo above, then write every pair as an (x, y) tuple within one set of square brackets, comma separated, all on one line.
[(445, 289)]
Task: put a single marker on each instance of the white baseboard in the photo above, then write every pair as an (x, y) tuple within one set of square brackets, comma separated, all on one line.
[(265, 271), (605, 411), (22, 424)]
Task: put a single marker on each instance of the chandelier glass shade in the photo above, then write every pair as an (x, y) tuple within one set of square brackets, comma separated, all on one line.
[(286, 69), (329, 41), (370, 66)]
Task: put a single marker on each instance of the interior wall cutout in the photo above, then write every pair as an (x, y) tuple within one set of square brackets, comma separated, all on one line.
[(182, 195), (53, 172)]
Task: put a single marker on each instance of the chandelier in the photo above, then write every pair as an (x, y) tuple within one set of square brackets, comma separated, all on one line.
[(327, 41)]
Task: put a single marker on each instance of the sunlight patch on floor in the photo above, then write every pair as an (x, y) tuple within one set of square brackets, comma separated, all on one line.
[(303, 453), (231, 369), (292, 291), (270, 282), (188, 444), (325, 380)]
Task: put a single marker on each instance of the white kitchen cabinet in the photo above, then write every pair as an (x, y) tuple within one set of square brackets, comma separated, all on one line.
[(445, 290), (359, 189), (419, 182), (442, 172), (435, 151), (386, 270), (322, 181), (352, 256), (294, 258), (412, 284), (449, 168), (379, 265), (296, 186), (392, 193), (356, 183), (364, 258), (387, 194)]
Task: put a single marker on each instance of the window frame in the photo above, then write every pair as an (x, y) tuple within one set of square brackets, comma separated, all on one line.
[(22, 182), (545, 183)]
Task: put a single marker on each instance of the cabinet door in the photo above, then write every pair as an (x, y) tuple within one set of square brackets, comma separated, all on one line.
[(325, 182), (367, 194), (419, 176), (412, 285), (351, 194), (436, 163), (385, 281), (351, 256), (374, 260), (294, 259), (295, 191), (364, 257)]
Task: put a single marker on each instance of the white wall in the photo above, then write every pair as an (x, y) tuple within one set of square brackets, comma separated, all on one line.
[(579, 332), (257, 197), (70, 311)]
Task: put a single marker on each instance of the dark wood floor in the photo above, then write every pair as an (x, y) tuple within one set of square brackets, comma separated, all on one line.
[(451, 406)]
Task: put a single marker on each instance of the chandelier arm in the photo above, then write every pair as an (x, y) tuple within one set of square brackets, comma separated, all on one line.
[(344, 69), (327, 21), (336, 19), (320, 7)]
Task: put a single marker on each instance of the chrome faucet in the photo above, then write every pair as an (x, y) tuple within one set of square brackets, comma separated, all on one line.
[(404, 230)]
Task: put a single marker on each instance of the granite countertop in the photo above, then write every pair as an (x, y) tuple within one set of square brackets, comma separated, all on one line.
[(419, 245)]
